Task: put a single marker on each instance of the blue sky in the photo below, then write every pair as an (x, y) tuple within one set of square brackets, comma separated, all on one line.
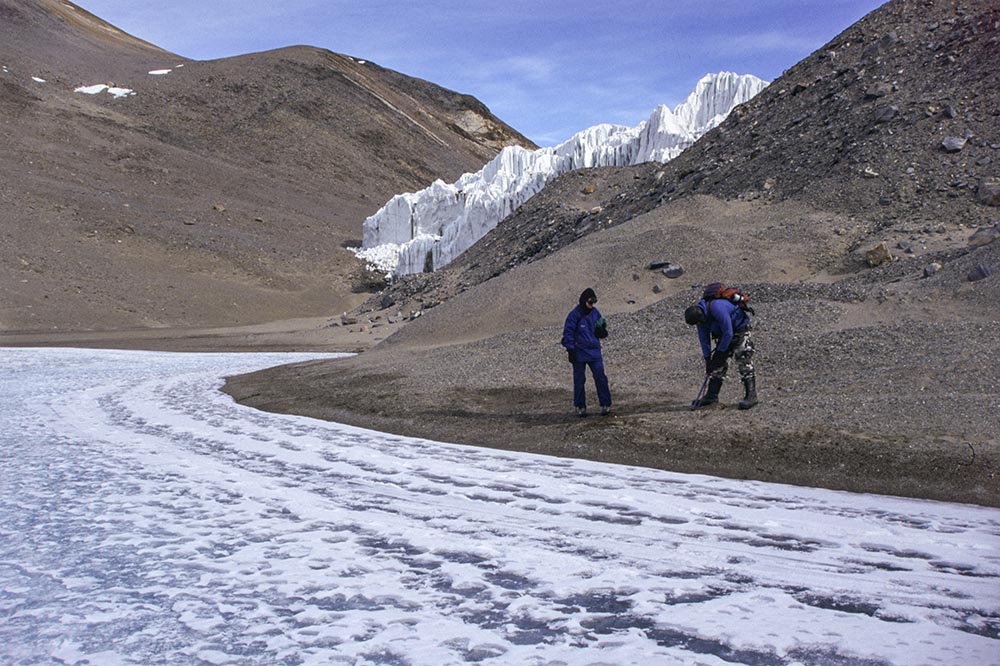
[(547, 68)]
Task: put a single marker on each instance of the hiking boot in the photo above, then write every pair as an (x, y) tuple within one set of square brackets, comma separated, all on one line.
[(750, 393), (711, 395), (605, 410), (581, 411)]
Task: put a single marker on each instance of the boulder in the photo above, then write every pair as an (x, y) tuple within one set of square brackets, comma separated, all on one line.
[(988, 192), (953, 144), (673, 271), (984, 236), (980, 272), (884, 114), (878, 90), (878, 255)]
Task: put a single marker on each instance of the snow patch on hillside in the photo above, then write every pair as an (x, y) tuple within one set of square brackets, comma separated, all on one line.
[(115, 91)]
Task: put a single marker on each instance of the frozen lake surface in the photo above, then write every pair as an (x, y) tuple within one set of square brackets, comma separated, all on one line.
[(145, 518)]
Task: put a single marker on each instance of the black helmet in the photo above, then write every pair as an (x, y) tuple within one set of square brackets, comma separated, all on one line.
[(588, 295), (694, 315)]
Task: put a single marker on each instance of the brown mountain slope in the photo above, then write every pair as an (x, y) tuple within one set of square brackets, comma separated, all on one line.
[(877, 379), (220, 192)]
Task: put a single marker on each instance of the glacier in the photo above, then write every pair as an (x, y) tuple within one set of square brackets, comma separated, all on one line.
[(421, 231)]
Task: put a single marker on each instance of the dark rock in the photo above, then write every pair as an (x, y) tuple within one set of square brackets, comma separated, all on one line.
[(879, 90), (953, 144), (981, 272), (673, 271), (984, 236), (988, 192), (885, 114)]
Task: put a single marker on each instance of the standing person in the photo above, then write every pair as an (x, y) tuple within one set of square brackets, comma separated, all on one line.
[(721, 319), (581, 332)]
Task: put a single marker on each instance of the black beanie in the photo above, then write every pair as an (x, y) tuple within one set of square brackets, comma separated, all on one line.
[(694, 315), (587, 295)]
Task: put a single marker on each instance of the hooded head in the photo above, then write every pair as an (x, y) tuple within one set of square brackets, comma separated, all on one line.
[(588, 298), (694, 315)]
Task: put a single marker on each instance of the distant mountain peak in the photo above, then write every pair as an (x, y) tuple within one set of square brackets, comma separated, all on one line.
[(416, 232)]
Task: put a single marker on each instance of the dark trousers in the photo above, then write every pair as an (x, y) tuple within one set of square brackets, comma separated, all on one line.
[(600, 379)]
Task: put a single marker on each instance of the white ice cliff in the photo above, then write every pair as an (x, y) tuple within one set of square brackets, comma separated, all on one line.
[(425, 230)]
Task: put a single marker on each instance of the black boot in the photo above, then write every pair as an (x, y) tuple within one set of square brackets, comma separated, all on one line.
[(712, 394), (750, 393)]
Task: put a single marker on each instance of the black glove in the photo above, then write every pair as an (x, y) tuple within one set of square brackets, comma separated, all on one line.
[(601, 328), (572, 355), (718, 360)]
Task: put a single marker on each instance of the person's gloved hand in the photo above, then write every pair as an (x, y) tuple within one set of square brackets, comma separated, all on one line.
[(717, 361), (572, 355)]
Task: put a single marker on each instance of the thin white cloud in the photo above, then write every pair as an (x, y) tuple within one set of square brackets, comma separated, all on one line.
[(534, 69)]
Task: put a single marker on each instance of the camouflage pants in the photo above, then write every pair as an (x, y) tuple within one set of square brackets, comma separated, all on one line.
[(741, 350)]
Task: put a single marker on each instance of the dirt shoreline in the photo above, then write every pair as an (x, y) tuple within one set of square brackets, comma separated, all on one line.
[(922, 438), (316, 334), (667, 436)]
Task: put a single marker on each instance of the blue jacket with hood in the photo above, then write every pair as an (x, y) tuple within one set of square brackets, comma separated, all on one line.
[(724, 319), (579, 336)]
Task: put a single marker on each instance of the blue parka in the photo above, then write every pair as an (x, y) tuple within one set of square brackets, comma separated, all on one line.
[(579, 336), (724, 319)]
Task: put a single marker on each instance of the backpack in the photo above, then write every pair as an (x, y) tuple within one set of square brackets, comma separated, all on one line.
[(731, 294)]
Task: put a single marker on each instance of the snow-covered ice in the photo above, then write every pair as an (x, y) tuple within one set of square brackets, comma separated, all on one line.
[(433, 226), (145, 518), (115, 91)]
